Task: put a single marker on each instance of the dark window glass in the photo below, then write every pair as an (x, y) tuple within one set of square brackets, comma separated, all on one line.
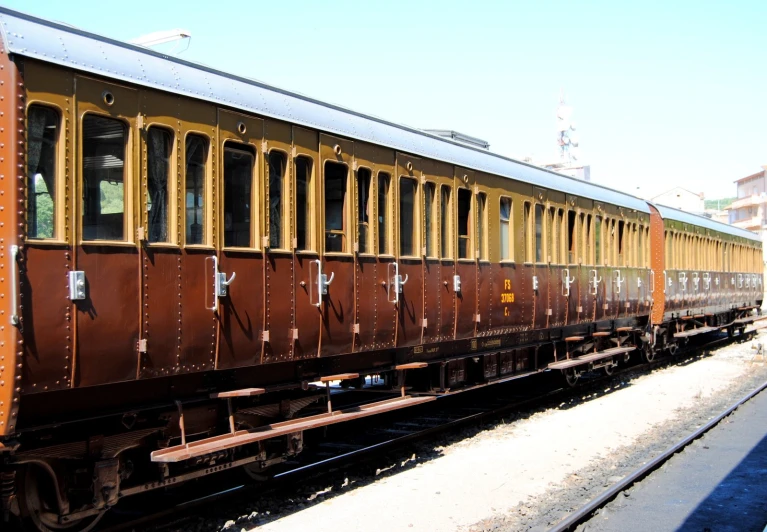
[(303, 203), (42, 135), (481, 199), (598, 244), (383, 212), (103, 178), (196, 159), (571, 237), (276, 204), (589, 246), (538, 233), (526, 232), (158, 146), (621, 254), (335, 206), (445, 220), (505, 229), (464, 213), (407, 218), (363, 208), (238, 186), (428, 191), (553, 234)]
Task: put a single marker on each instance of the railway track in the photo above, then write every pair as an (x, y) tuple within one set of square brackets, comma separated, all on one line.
[(587, 511), (357, 443)]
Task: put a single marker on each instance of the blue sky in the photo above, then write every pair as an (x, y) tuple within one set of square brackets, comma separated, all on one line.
[(664, 93)]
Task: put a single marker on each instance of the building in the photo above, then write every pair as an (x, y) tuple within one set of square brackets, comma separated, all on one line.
[(749, 211), (682, 199)]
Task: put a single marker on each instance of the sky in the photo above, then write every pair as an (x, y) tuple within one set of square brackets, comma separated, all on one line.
[(664, 94)]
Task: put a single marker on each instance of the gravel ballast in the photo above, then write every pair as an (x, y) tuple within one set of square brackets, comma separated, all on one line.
[(519, 474)]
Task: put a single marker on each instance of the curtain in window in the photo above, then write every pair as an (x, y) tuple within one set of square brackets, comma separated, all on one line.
[(157, 182)]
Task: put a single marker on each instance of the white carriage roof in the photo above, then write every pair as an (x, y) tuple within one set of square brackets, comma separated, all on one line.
[(669, 213), (59, 44)]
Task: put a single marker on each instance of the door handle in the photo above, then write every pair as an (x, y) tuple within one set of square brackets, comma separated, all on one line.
[(14, 285)]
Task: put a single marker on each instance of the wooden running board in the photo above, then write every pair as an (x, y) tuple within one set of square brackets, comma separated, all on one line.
[(593, 357), (693, 332), (243, 437)]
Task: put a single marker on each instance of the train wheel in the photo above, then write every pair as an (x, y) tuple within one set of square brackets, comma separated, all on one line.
[(571, 377), (609, 369), (39, 506), (648, 353), (672, 349)]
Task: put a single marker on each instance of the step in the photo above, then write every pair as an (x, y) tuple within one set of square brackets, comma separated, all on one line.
[(591, 357), (693, 332), (194, 449)]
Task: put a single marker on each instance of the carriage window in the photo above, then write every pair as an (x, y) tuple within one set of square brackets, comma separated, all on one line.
[(428, 191), (552, 235), (335, 207), (238, 186), (505, 229), (640, 255), (407, 216), (158, 146), (588, 258), (481, 225), (464, 213), (560, 227), (103, 178), (363, 207), (303, 203), (571, 237), (383, 212), (621, 251), (526, 232), (445, 220), (277, 161), (196, 159), (598, 241), (538, 232), (42, 135)]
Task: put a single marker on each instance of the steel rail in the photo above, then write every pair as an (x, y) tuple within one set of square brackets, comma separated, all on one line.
[(586, 511)]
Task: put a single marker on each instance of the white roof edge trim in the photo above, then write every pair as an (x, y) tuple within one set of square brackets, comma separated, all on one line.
[(51, 42), (670, 213)]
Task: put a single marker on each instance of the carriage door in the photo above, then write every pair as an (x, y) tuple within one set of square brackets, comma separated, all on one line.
[(279, 336), (158, 228), (375, 315), (406, 286), (306, 263), (105, 283), (336, 277), (47, 249), (466, 265), (241, 311), (539, 284)]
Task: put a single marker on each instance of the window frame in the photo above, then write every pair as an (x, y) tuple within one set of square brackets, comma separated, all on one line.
[(129, 236), (207, 240), (311, 205), (173, 177), (254, 195), (509, 232), (60, 235), (388, 240), (348, 212), (416, 249), (371, 241)]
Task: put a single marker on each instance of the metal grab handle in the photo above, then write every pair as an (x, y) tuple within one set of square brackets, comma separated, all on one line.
[(566, 282), (402, 282), (652, 281), (14, 285), (595, 282), (318, 282), (618, 281), (328, 281)]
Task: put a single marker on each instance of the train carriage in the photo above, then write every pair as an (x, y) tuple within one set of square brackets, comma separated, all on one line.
[(183, 253)]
